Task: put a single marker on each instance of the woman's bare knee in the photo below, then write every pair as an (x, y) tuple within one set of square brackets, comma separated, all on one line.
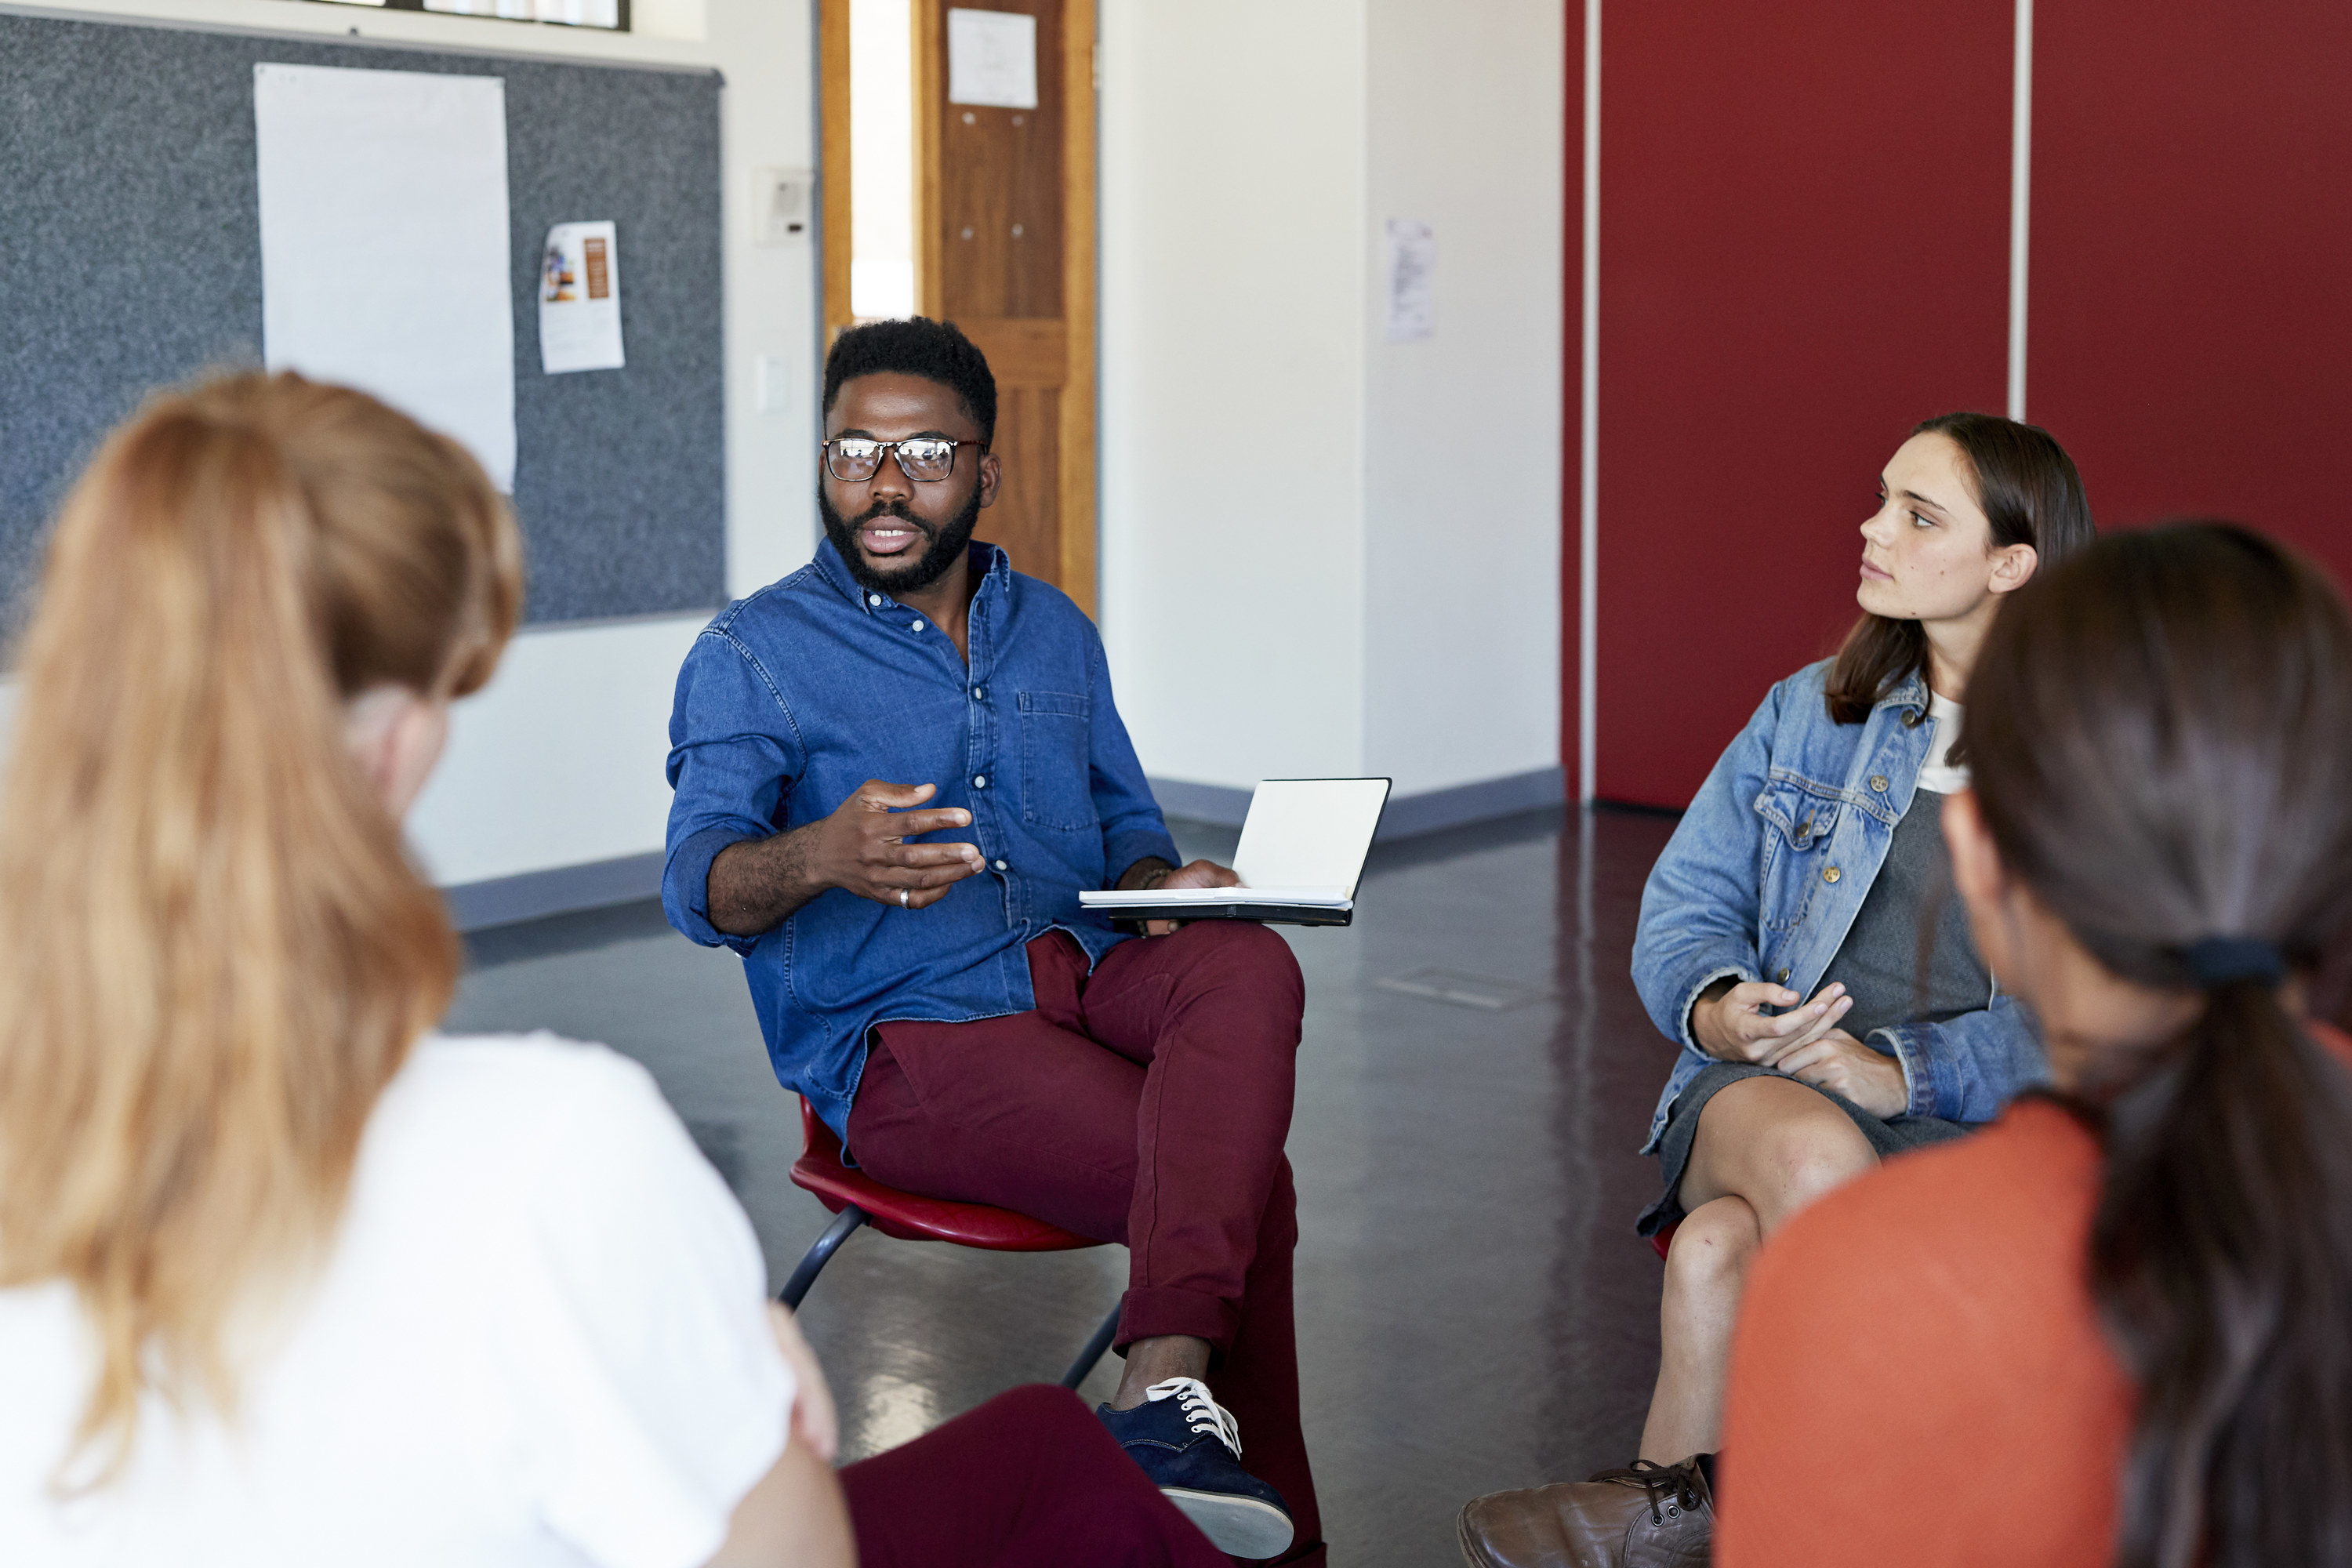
[(1799, 1162), (1776, 1143), (1712, 1248)]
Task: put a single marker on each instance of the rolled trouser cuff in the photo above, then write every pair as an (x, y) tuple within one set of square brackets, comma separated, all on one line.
[(1147, 1313)]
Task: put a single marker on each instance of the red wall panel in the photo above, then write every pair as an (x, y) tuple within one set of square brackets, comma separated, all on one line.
[(1804, 252), (2189, 335)]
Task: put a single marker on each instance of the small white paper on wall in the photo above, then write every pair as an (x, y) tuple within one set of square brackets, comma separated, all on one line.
[(992, 58), (1411, 271), (384, 261), (580, 299)]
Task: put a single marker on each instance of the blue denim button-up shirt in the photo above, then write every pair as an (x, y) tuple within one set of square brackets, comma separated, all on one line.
[(796, 696), (1744, 890)]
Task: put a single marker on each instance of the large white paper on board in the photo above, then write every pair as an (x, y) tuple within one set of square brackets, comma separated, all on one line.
[(580, 299), (992, 58), (384, 261)]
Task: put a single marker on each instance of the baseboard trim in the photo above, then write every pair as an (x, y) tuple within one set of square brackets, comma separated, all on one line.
[(1408, 816), (1434, 811), (562, 891)]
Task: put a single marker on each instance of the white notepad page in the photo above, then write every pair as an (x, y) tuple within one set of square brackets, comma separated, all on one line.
[(1309, 833), (1304, 842)]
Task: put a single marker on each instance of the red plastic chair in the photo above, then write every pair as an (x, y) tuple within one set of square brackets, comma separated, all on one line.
[(1663, 1240), (858, 1199)]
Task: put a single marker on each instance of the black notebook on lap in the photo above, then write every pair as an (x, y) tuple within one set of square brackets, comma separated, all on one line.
[(1302, 852)]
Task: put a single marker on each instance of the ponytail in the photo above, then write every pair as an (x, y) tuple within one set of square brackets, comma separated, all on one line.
[(214, 951), (2222, 1264)]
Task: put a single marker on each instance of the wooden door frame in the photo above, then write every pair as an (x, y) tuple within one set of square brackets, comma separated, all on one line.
[(833, 163), (1079, 252), (1075, 490)]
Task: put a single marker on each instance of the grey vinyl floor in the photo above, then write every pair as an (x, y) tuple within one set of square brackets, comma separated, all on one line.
[(1474, 1309)]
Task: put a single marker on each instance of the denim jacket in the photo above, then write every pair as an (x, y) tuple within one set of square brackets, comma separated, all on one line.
[(1766, 871)]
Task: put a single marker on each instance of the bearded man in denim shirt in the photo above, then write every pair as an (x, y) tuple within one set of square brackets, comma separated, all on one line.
[(895, 771)]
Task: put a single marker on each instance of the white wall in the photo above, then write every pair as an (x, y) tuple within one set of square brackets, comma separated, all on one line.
[(560, 762), (1462, 504), (1233, 289), (1323, 553)]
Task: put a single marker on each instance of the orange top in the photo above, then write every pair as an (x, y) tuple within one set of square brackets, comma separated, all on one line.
[(1919, 1375)]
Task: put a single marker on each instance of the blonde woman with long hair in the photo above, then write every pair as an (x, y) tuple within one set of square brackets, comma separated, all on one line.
[(285, 1278)]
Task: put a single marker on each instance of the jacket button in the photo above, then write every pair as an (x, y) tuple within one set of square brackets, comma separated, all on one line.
[(1784, 977), (980, 781), (1831, 875), (1878, 782)]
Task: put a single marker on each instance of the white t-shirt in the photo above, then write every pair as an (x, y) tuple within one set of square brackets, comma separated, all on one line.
[(540, 1338), (1936, 773)]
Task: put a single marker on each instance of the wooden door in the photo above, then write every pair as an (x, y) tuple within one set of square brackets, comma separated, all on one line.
[(1004, 231)]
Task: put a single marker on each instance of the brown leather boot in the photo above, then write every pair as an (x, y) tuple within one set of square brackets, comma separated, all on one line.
[(1648, 1516)]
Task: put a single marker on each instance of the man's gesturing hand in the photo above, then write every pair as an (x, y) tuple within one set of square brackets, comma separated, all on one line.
[(757, 883), (1732, 1026), (863, 847)]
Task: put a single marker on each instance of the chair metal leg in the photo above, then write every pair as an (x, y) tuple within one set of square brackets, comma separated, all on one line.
[(1093, 1353), (820, 1253)]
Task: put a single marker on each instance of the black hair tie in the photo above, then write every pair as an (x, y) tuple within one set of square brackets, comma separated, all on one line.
[(2226, 959)]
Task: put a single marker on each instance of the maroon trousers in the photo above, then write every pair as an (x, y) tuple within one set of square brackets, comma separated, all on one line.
[(1145, 1104), (1029, 1480)]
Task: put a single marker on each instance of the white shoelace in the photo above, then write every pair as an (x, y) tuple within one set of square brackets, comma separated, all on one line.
[(1200, 1413)]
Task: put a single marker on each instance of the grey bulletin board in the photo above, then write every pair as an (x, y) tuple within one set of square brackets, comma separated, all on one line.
[(130, 258)]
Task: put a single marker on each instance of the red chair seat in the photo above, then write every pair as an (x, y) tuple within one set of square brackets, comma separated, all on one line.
[(819, 1169), (1663, 1240)]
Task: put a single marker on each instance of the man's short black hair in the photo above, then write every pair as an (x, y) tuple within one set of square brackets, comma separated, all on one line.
[(935, 351)]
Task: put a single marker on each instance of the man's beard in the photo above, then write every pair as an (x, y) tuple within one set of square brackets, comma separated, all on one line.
[(942, 547)]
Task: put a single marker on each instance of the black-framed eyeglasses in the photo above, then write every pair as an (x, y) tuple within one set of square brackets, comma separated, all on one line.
[(926, 459)]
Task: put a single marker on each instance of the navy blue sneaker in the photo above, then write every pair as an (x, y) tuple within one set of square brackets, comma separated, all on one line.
[(1187, 1443)]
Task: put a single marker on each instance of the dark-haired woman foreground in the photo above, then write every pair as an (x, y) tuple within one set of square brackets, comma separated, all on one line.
[(285, 1278), (2117, 1326)]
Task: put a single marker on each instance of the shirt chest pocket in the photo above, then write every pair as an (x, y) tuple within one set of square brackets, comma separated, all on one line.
[(1057, 790)]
